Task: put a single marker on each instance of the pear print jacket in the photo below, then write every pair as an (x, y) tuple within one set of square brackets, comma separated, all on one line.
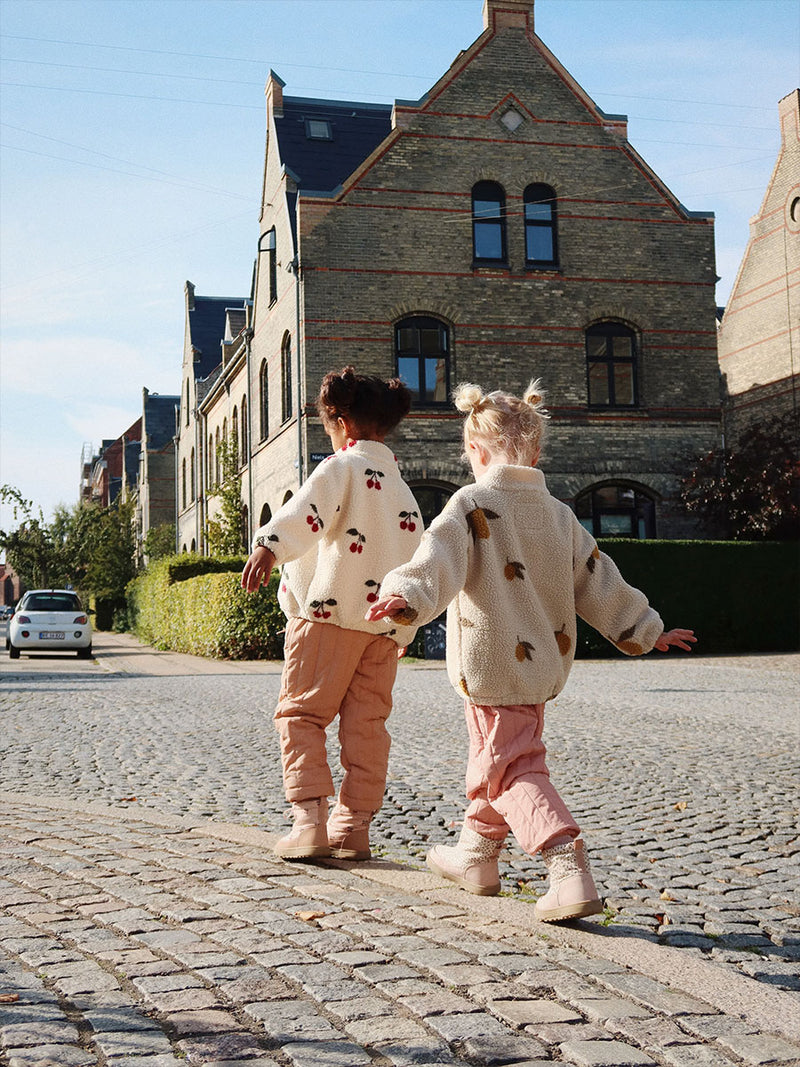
[(515, 567), (353, 520)]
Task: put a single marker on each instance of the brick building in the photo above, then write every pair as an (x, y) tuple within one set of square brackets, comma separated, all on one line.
[(115, 468), (498, 229), (759, 339), (155, 483)]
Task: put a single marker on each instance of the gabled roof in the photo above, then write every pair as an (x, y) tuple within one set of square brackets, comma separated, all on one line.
[(318, 165), (206, 325), (159, 420)]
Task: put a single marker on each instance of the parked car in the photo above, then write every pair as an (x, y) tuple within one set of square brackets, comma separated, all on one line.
[(48, 620), (6, 611)]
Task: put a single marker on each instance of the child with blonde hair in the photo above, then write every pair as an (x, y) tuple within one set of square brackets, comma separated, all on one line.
[(334, 540), (514, 566)]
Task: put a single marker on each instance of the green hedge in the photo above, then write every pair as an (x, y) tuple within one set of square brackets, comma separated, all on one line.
[(195, 604), (738, 596)]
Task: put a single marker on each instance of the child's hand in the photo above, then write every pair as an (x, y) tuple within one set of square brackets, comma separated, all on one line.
[(677, 638), (388, 605), (257, 569)]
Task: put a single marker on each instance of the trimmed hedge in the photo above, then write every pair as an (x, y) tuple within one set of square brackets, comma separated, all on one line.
[(196, 604), (738, 596)]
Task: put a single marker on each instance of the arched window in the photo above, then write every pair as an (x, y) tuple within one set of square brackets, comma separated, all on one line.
[(267, 244), (263, 401), (432, 497), (287, 495), (245, 529), (183, 483), (265, 515), (234, 439), (245, 454), (541, 246), (210, 462), (286, 378), (617, 511), (611, 365), (422, 350), (488, 223), (194, 545), (187, 401), (216, 456), (192, 484)]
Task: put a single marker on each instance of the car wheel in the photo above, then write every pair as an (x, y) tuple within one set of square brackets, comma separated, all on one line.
[(13, 653), (85, 653)]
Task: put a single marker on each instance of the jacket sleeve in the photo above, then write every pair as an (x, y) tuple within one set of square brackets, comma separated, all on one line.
[(604, 599), (437, 571), (309, 516)]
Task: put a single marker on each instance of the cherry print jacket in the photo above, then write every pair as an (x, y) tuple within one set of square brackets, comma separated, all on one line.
[(515, 566), (353, 520)]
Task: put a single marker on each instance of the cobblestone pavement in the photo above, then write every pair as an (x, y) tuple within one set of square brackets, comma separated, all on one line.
[(136, 932)]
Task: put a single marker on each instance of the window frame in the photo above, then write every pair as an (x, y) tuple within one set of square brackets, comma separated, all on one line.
[(420, 393), (643, 510), (488, 191), (287, 405), (611, 328), (263, 400), (538, 193)]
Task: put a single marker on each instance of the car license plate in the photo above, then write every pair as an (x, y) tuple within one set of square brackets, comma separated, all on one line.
[(51, 635)]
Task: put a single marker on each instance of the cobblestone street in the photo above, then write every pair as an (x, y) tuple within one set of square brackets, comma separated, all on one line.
[(682, 772)]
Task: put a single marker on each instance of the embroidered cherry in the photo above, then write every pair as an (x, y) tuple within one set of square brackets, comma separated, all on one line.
[(374, 590), (314, 521), (360, 540), (373, 478), (407, 520)]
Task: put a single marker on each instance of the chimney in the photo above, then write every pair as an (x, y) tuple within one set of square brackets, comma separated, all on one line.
[(499, 14), (274, 94), (789, 111)]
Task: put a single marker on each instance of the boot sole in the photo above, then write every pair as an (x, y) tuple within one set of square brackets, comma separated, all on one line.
[(471, 887), (570, 911), (350, 854), (309, 852)]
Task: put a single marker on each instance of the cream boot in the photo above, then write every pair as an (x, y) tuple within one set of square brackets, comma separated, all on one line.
[(348, 833), (308, 838), (471, 864), (572, 892)]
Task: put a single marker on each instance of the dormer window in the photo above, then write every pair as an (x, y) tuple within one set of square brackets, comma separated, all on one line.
[(319, 130)]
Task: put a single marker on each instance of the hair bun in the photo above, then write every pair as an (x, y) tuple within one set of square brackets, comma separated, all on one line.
[(469, 398), (533, 394)]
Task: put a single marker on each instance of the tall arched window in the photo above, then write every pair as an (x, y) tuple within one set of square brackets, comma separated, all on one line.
[(234, 438), (187, 401), (183, 483), (245, 454), (286, 378), (617, 510), (210, 462), (541, 246), (611, 365), (432, 497), (216, 456), (265, 515), (422, 350), (488, 223), (192, 483), (263, 401), (267, 245)]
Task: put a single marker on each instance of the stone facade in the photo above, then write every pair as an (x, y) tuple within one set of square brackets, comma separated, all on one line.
[(759, 338)]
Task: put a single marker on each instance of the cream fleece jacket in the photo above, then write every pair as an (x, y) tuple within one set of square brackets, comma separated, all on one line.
[(334, 540), (515, 567)]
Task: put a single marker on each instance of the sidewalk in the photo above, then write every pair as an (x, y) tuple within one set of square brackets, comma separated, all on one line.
[(132, 938)]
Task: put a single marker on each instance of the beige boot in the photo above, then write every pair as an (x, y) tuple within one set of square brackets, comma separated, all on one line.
[(308, 838), (572, 892), (348, 833), (471, 864)]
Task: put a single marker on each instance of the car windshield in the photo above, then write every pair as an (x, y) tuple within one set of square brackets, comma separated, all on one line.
[(52, 602)]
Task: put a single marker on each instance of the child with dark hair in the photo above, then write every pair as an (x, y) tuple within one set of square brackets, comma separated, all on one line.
[(352, 521)]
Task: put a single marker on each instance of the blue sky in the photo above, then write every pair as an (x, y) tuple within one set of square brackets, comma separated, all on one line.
[(133, 142)]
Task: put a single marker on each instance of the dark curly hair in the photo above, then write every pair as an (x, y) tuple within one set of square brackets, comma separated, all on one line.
[(373, 404)]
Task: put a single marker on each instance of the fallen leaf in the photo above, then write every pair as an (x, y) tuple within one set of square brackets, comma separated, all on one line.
[(682, 805), (9, 998), (307, 916), (666, 895)]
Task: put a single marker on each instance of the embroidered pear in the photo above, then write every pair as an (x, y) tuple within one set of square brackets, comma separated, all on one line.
[(563, 640), (514, 569), (523, 650), (477, 520), (406, 616), (462, 684), (591, 562), (624, 643)]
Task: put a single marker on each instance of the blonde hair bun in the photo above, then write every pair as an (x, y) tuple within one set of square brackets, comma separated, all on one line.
[(510, 427), (534, 395), (469, 398)]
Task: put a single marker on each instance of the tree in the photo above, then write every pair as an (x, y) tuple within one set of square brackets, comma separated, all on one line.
[(750, 490), (159, 541), (224, 531), (34, 549)]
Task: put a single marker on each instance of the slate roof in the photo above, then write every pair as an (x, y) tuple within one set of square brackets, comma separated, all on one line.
[(321, 166), (159, 420), (207, 330)]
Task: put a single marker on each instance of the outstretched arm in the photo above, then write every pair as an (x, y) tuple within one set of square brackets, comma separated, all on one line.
[(257, 569), (678, 638)]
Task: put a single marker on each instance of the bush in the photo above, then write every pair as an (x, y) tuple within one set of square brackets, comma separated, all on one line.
[(738, 596), (196, 605)]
